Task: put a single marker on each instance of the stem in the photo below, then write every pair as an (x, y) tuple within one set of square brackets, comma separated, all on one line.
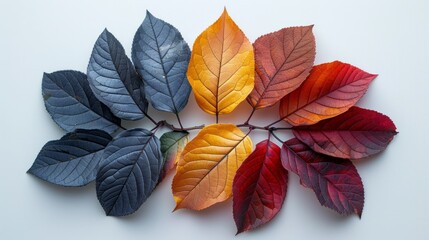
[(267, 128), (282, 128), (250, 126), (178, 119), (182, 129), (151, 119), (217, 117), (159, 124), (250, 116), (274, 123), (276, 137)]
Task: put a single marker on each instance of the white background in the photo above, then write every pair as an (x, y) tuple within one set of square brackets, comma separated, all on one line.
[(387, 37)]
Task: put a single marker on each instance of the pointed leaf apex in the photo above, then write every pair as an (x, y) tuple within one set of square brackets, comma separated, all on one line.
[(149, 14), (225, 12)]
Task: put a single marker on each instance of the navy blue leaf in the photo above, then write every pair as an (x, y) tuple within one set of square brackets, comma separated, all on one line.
[(161, 57), (113, 79), (72, 105), (73, 160), (129, 172)]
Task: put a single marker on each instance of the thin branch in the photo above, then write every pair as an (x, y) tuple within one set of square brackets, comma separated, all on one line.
[(150, 118), (182, 129), (269, 125), (178, 119), (276, 137), (250, 116), (251, 126)]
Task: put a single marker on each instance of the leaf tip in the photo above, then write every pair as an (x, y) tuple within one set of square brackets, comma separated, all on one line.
[(177, 207), (225, 12)]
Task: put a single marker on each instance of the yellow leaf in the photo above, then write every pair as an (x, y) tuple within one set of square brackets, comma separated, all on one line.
[(222, 66), (208, 164)]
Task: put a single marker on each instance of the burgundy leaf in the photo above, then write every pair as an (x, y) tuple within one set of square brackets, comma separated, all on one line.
[(355, 134), (259, 187), (335, 181)]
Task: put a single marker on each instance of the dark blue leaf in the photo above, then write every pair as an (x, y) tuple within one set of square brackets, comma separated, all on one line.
[(161, 57), (73, 160), (129, 172), (113, 79), (72, 105)]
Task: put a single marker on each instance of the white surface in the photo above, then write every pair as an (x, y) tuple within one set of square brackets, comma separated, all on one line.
[(387, 37)]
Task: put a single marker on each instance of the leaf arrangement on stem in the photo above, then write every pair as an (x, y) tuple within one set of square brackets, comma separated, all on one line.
[(223, 70)]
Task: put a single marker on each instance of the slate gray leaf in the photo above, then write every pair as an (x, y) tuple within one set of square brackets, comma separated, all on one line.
[(129, 172), (73, 160), (172, 145), (161, 57), (113, 79), (72, 105)]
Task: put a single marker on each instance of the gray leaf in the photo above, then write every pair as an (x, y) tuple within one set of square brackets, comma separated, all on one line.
[(161, 57), (113, 79), (73, 160), (72, 105), (129, 172)]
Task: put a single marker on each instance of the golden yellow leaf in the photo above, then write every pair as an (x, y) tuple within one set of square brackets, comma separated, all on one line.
[(222, 66), (208, 164)]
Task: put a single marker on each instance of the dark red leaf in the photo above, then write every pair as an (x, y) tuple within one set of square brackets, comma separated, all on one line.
[(259, 187), (335, 181), (354, 134)]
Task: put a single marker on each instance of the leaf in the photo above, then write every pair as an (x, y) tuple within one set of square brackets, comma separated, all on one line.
[(221, 70), (355, 134), (114, 81), (283, 60), (129, 172), (172, 145), (330, 89), (73, 160), (72, 105), (208, 164), (335, 181), (161, 57), (259, 187)]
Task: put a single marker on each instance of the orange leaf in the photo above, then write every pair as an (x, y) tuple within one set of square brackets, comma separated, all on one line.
[(283, 60), (207, 168), (330, 89), (221, 69)]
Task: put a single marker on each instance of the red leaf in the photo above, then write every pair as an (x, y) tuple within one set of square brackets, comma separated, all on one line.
[(330, 89), (259, 187), (283, 60), (354, 134), (335, 181)]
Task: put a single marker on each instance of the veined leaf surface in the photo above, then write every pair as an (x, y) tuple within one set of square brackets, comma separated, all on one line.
[(206, 170), (283, 60), (221, 70), (330, 89)]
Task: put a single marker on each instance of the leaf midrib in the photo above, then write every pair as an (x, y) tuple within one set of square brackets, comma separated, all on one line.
[(214, 167)]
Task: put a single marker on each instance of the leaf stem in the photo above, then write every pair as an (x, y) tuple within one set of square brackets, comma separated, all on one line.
[(217, 117), (250, 116), (269, 125), (178, 119), (276, 137), (150, 118), (267, 128), (181, 129)]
